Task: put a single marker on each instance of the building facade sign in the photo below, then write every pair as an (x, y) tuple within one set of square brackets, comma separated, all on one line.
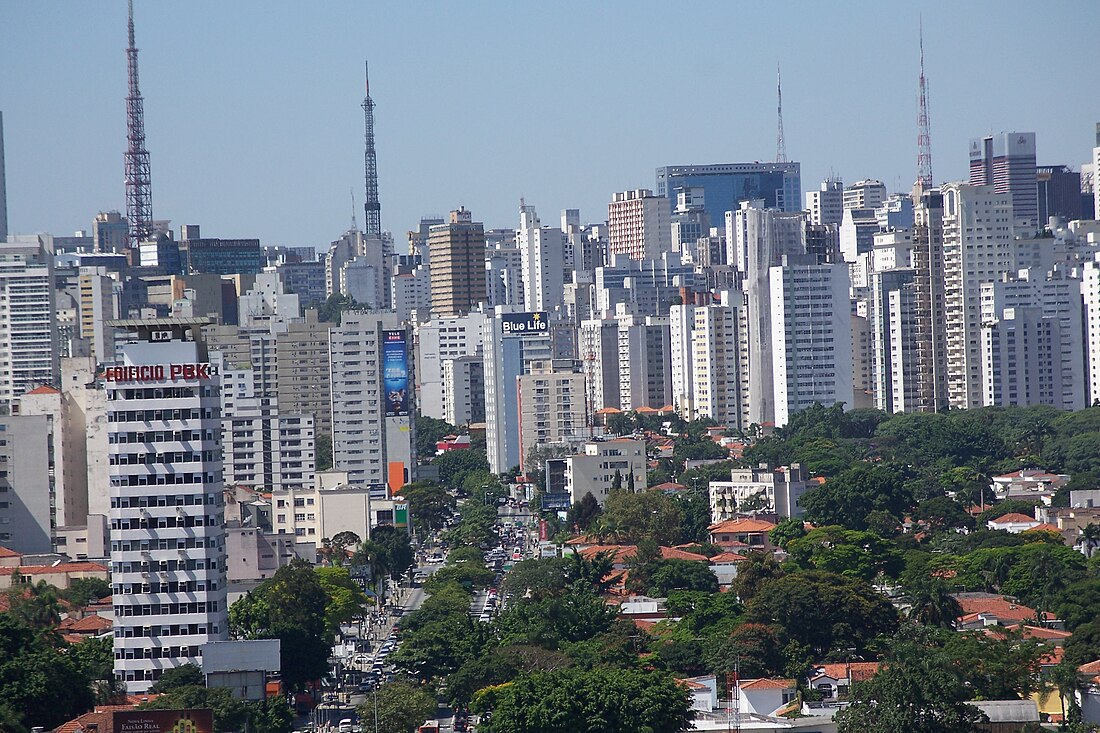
[(524, 324), (159, 372)]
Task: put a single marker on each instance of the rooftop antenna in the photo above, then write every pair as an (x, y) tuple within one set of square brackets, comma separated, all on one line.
[(139, 208), (354, 224), (780, 144), (924, 135), (372, 226)]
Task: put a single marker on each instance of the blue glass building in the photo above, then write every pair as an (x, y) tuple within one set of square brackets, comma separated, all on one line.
[(726, 184)]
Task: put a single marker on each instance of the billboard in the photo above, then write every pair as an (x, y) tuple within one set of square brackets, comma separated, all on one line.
[(525, 324), (164, 721), (395, 373)]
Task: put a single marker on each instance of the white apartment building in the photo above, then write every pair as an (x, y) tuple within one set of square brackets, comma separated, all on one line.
[(28, 493), (167, 507), (865, 194), (593, 472), (1054, 294), (599, 352), (638, 225), (542, 258), (28, 322), (977, 248), (893, 321), (437, 342), (552, 406), (266, 303), (826, 206), (464, 390), (811, 334), (331, 506), (719, 362), (373, 400), (1090, 296), (758, 489), (1020, 362), (645, 378), (504, 275), (411, 293), (857, 232)]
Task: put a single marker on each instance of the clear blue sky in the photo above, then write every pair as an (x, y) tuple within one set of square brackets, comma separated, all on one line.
[(254, 125)]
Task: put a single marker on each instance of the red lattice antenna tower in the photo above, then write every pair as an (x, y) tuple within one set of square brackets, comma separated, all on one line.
[(372, 226), (780, 144), (924, 135), (139, 198)]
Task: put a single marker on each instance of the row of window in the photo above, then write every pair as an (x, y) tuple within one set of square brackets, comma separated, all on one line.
[(166, 609), (180, 543), (207, 413), (165, 566), (171, 586), (157, 652), (155, 393), (141, 502), (162, 523), (146, 459), (163, 436), (164, 479), (131, 632)]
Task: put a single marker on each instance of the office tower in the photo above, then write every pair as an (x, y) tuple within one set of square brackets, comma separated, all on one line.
[(865, 194), (1019, 368), (1059, 193), (27, 491), (167, 515), (418, 238), (411, 292), (302, 371), (644, 371), (437, 342), (599, 352), (1096, 175), (464, 390), (304, 279), (826, 206), (3, 187), (510, 341), (726, 185), (220, 256), (647, 287), (456, 252), (28, 321), (857, 232), (762, 237), (551, 405), (1090, 297), (1006, 161), (542, 258), (373, 401), (811, 335), (99, 301), (638, 225), (110, 232), (978, 247), (930, 336), (1052, 294)]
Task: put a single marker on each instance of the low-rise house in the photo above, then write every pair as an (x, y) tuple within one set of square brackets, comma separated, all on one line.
[(724, 566), (703, 691), (1013, 523), (835, 680), (742, 532), (1028, 483), (764, 696), (759, 489), (60, 574), (980, 610)]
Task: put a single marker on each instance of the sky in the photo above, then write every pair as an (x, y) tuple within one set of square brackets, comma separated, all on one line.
[(254, 125)]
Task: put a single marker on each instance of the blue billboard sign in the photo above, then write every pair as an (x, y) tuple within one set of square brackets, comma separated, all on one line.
[(395, 373)]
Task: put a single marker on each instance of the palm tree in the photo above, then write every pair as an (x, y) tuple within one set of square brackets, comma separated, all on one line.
[(1065, 680), (931, 603), (1089, 538)]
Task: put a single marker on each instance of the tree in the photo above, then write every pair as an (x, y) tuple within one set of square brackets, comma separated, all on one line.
[(322, 447), (1084, 646), (752, 650), (629, 518), (346, 600), (789, 529), (847, 499), (95, 658), (37, 679), (585, 701), (538, 577), (753, 573), (1001, 665), (429, 504), (230, 714), (694, 506), (576, 615), (82, 591), (390, 548), (454, 465), (36, 604), (332, 310), (918, 690), (584, 511), (674, 574), (931, 602), (401, 708), (943, 513), (847, 552), (185, 675), (826, 612), (429, 431)]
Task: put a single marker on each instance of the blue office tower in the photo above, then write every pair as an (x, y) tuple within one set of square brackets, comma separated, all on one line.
[(727, 184)]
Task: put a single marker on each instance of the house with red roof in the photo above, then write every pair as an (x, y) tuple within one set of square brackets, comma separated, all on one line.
[(743, 532), (834, 680), (1013, 523), (724, 566), (59, 575), (1028, 483), (765, 696), (980, 610)]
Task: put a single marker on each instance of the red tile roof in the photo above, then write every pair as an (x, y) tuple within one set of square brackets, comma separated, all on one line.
[(1012, 518), (1000, 606), (44, 389), (1090, 668), (726, 557), (622, 553), (89, 624), (1044, 527), (741, 525), (103, 717), (5, 552), (1040, 632), (765, 683), (63, 567), (860, 671)]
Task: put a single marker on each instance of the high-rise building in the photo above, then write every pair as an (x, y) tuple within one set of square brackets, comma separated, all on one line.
[(302, 371), (221, 256), (638, 225), (826, 206), (27, 490), (1096, 175), (1059, 193), (110, 232), (930, 333), (99, 300), (542, 258), (599, 352), (1019, 367), (865, 194), (857, 232), (719, 362), (892, 318), (1006, 161), (647, 287), (456, 253), (978, 247), (811, 335), (373, 401), (267, 303), (645, 378), (304, 279), (689, 219), (167, 508), (437, 342), (464, 390), (726, 185), (551, 405), (28, 321)]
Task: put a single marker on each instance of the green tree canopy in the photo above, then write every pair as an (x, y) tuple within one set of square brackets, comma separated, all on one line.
[(37, 679), (629, 518), (346, 600), (429, 504), (401, 707), (846, 552)]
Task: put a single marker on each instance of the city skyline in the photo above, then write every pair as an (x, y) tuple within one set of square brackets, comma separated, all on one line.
[(537, 112)]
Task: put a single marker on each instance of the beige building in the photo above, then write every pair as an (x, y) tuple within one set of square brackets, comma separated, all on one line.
[(593, 472), (639, 225), (552, 407), (332, 506), (456, 254), (771, 491), (302, 371)]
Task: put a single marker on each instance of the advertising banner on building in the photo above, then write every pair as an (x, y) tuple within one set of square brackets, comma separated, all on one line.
[(525, 324), (395, 373), (164, 721)]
